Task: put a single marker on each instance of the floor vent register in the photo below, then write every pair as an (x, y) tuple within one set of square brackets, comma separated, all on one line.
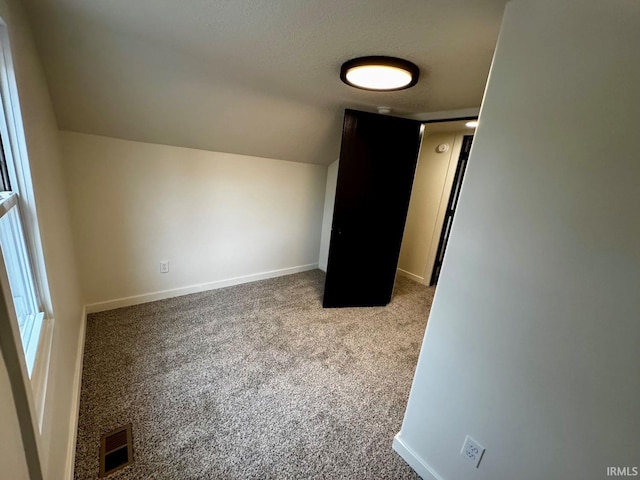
[(116, 450)]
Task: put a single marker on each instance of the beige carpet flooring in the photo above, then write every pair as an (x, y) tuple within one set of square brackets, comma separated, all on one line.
[(255, 381)]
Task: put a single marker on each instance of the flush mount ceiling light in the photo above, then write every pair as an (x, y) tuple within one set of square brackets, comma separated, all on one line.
[(472, 124), (383, 74)]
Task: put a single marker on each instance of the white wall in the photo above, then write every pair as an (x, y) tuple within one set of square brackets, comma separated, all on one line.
[(44, 157), (532, 343), (12, 456), (327, 216), (429, 198), (214, 216)]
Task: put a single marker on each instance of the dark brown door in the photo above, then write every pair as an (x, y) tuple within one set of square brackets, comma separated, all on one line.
[(377, 164)]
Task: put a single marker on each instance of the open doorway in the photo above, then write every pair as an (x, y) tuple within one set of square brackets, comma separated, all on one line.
[(434, 197), (378, 225)]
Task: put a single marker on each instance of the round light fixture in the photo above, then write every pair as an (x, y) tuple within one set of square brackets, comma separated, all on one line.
[(383, 74), (472, 124)]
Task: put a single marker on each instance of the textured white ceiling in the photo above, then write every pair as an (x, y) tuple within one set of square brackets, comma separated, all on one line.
[(254, 77)]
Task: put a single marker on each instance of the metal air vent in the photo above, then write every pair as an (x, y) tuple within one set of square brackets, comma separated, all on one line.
[(116, 450)]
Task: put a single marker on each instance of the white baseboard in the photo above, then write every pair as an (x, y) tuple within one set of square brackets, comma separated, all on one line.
[(414, 461), (412, 276), (202, 287), (75, 399)]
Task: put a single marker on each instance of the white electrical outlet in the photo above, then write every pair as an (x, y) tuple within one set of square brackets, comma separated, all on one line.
[(164, 266), (472, 451)]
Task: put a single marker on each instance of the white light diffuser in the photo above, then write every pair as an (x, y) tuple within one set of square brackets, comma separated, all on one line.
[(379, 77)]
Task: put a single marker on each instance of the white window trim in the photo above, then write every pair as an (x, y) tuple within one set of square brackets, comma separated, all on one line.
[(20, 275), (15, 149)]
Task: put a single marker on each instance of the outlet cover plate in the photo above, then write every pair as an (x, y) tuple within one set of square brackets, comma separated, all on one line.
[(164, 266), (472, 451)]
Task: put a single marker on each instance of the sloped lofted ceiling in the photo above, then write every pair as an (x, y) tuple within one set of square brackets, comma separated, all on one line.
[(252, 77)]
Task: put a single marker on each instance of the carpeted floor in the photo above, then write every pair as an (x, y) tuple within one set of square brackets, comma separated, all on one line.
[(255, 381)]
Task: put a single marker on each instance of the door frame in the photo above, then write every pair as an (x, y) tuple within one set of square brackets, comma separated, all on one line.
[(454, 196), (425, 278)]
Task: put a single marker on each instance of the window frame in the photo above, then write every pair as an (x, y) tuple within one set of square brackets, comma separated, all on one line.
[(19, 175), (18, 265)]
